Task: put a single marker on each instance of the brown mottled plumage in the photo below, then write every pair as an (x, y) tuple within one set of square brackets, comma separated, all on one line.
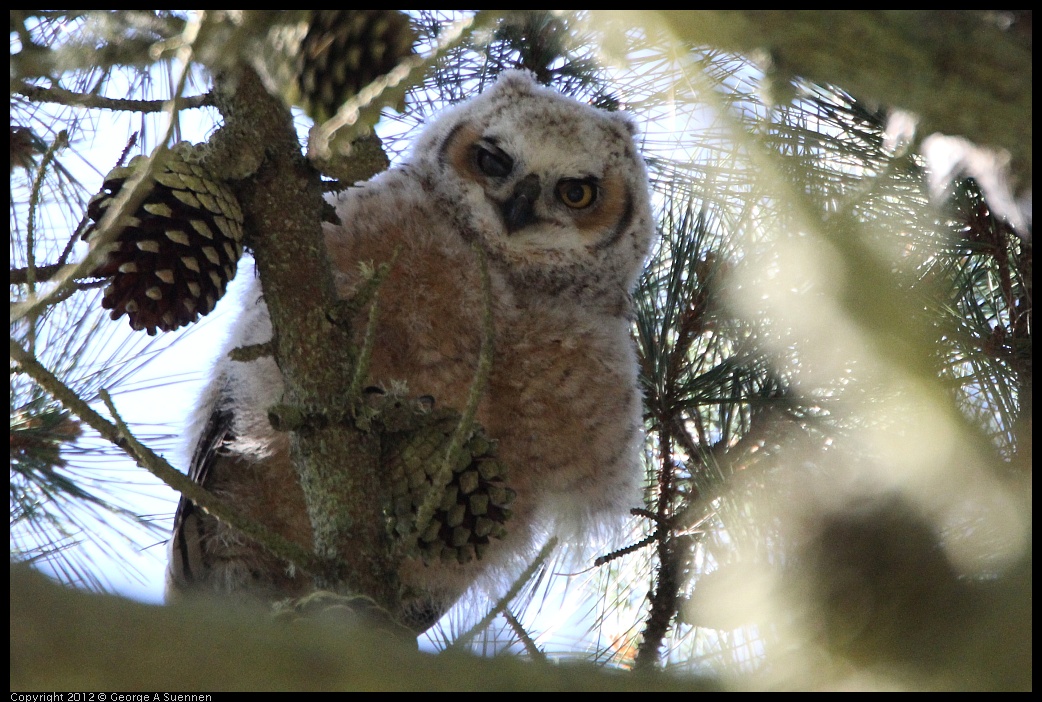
[(556, 195)]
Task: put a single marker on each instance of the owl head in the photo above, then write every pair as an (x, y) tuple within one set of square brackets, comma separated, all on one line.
[(554, 190)]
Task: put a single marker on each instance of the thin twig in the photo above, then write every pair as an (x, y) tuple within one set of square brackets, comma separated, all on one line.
[(466, 423), (533, 650), (60, 142), (390, 85), (365, 353), (367, 290), (41, 274), (663, 595), (119, 435), (505, 600), (78, 229), (371, 290), (126, 202), (619, 553), (62, 96)]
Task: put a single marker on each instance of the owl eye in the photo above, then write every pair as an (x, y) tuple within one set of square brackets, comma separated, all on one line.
[(493, 162), (577, 194)]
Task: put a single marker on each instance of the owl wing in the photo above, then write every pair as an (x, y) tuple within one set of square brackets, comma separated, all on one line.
[(188, 559)]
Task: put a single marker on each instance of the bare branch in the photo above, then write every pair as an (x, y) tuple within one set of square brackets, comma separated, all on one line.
[(68, 97)]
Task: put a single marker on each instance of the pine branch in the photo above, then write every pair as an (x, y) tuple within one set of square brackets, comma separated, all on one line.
[(425, 512), (664, 595), (962, 72), (120, 436), (248, 652), (61, 96), (504, 601), (530, 646), (338, 464), (126, 202)]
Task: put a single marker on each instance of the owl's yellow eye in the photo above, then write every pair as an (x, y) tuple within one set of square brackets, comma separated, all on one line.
[(577, 194)]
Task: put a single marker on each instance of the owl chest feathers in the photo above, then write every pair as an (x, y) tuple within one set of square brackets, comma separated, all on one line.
[(554, 195), (561, 398)]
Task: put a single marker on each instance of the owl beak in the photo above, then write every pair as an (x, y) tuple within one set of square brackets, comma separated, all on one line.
[(518, 210)]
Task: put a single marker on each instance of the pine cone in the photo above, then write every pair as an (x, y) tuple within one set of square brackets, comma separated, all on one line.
[(473, 507), (344, 51), (176, 256)]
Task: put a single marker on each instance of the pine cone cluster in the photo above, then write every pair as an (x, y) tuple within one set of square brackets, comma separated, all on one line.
[(474, 504), (344, 51), (176, 256)]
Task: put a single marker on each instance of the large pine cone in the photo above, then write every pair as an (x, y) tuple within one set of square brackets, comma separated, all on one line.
[(176, 256), (344, 51), (473, 508)]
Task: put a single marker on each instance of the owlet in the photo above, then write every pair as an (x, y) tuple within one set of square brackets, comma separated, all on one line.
[(555, 194)]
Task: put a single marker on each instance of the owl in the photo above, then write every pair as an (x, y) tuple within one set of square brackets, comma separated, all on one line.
[(554, 195)]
